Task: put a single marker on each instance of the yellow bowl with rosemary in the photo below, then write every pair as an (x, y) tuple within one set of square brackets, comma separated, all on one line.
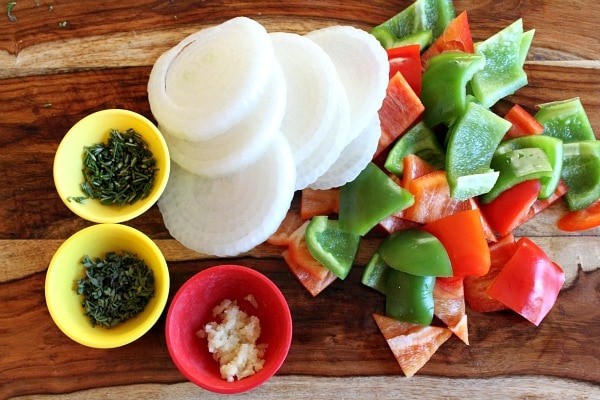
[(94, 130), (66, 268)]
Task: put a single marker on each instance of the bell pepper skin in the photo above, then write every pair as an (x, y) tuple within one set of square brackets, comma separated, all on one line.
[(444, 85), (422, 38), (581, 173), (566, 120), (407, 61), (456, 36), (418, 140), (516, 166), (523, 123), (468, 167), (529, 282), (409, 298), (422, 15), (400, 108), (332, 246), (552, 148), (580, 220), (375, 274), (416, 252), (509, 208), (503, 73), (463, 238), (368, 199)]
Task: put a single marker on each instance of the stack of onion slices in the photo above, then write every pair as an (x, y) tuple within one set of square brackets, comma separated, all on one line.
[(251, 116)]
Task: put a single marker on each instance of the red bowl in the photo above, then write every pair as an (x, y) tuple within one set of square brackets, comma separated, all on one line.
[(191, 310)]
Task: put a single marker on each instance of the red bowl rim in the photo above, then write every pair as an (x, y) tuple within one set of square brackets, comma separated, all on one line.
[(246, 384)]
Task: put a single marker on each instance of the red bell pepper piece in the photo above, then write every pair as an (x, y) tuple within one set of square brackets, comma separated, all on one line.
[(432, 199), (529, 283), (414, 167), (401, 108), (412, 344), (407, 61), (580, 220), (319, 202), (463, 238), (456, 36), (508, 210), (522, 122), (541, 204), (449, 305), (476, 287)]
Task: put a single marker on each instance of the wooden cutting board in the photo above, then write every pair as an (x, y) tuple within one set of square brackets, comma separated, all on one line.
[(60, 61)]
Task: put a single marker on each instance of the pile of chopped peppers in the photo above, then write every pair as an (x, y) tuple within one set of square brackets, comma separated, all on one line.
[(450, 182)]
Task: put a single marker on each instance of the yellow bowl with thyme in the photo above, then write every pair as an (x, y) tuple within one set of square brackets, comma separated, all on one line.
[(66, 268), (95, 129)]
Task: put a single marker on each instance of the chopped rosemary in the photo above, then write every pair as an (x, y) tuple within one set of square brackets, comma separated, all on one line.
[(76, 199), (115, 288), (119, 172), (9, 8)]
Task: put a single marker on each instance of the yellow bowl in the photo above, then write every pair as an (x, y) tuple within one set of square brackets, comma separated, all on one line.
[(65, 268), (95, 128)]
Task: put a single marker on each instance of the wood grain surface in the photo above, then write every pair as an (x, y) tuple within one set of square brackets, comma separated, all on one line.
[(62, 60)]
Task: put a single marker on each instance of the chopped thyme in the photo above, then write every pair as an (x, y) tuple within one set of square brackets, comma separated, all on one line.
[(119, 172)]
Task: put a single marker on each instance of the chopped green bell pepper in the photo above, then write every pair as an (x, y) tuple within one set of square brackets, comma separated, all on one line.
[(333, 247), (409, 297), (376, 273), (444, 85), (566, 120), (418, 140), (369, 198), (416, 252), (422, 15), (581, 173), (472, 141), (552, 147), (503, 73), (516, 166)]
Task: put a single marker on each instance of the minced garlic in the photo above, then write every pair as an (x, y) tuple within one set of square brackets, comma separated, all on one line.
[(232, 341)]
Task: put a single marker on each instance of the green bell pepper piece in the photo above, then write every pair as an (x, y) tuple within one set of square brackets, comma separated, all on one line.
[(422, 38), (516, 166), (444, 85), (526, 41), (376, 273), (369, 198), (581, 173), (422, 15), (409, 297), (552, 147), (416, 252), (566, 120), (472, 141), (333, 247), (503, 73), (418, 140)]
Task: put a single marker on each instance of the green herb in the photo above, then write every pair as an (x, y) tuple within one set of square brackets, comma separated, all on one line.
[(9, 8), (119, 172), (77, 199), (115, 288)]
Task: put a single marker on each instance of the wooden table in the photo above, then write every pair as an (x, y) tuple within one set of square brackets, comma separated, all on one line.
[(61, 60)]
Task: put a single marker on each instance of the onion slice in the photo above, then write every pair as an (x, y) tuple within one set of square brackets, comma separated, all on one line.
[(327, 153), (353, 159), (229, 215), (240, 146), (313, 89), (212, 79), (362, 66)]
